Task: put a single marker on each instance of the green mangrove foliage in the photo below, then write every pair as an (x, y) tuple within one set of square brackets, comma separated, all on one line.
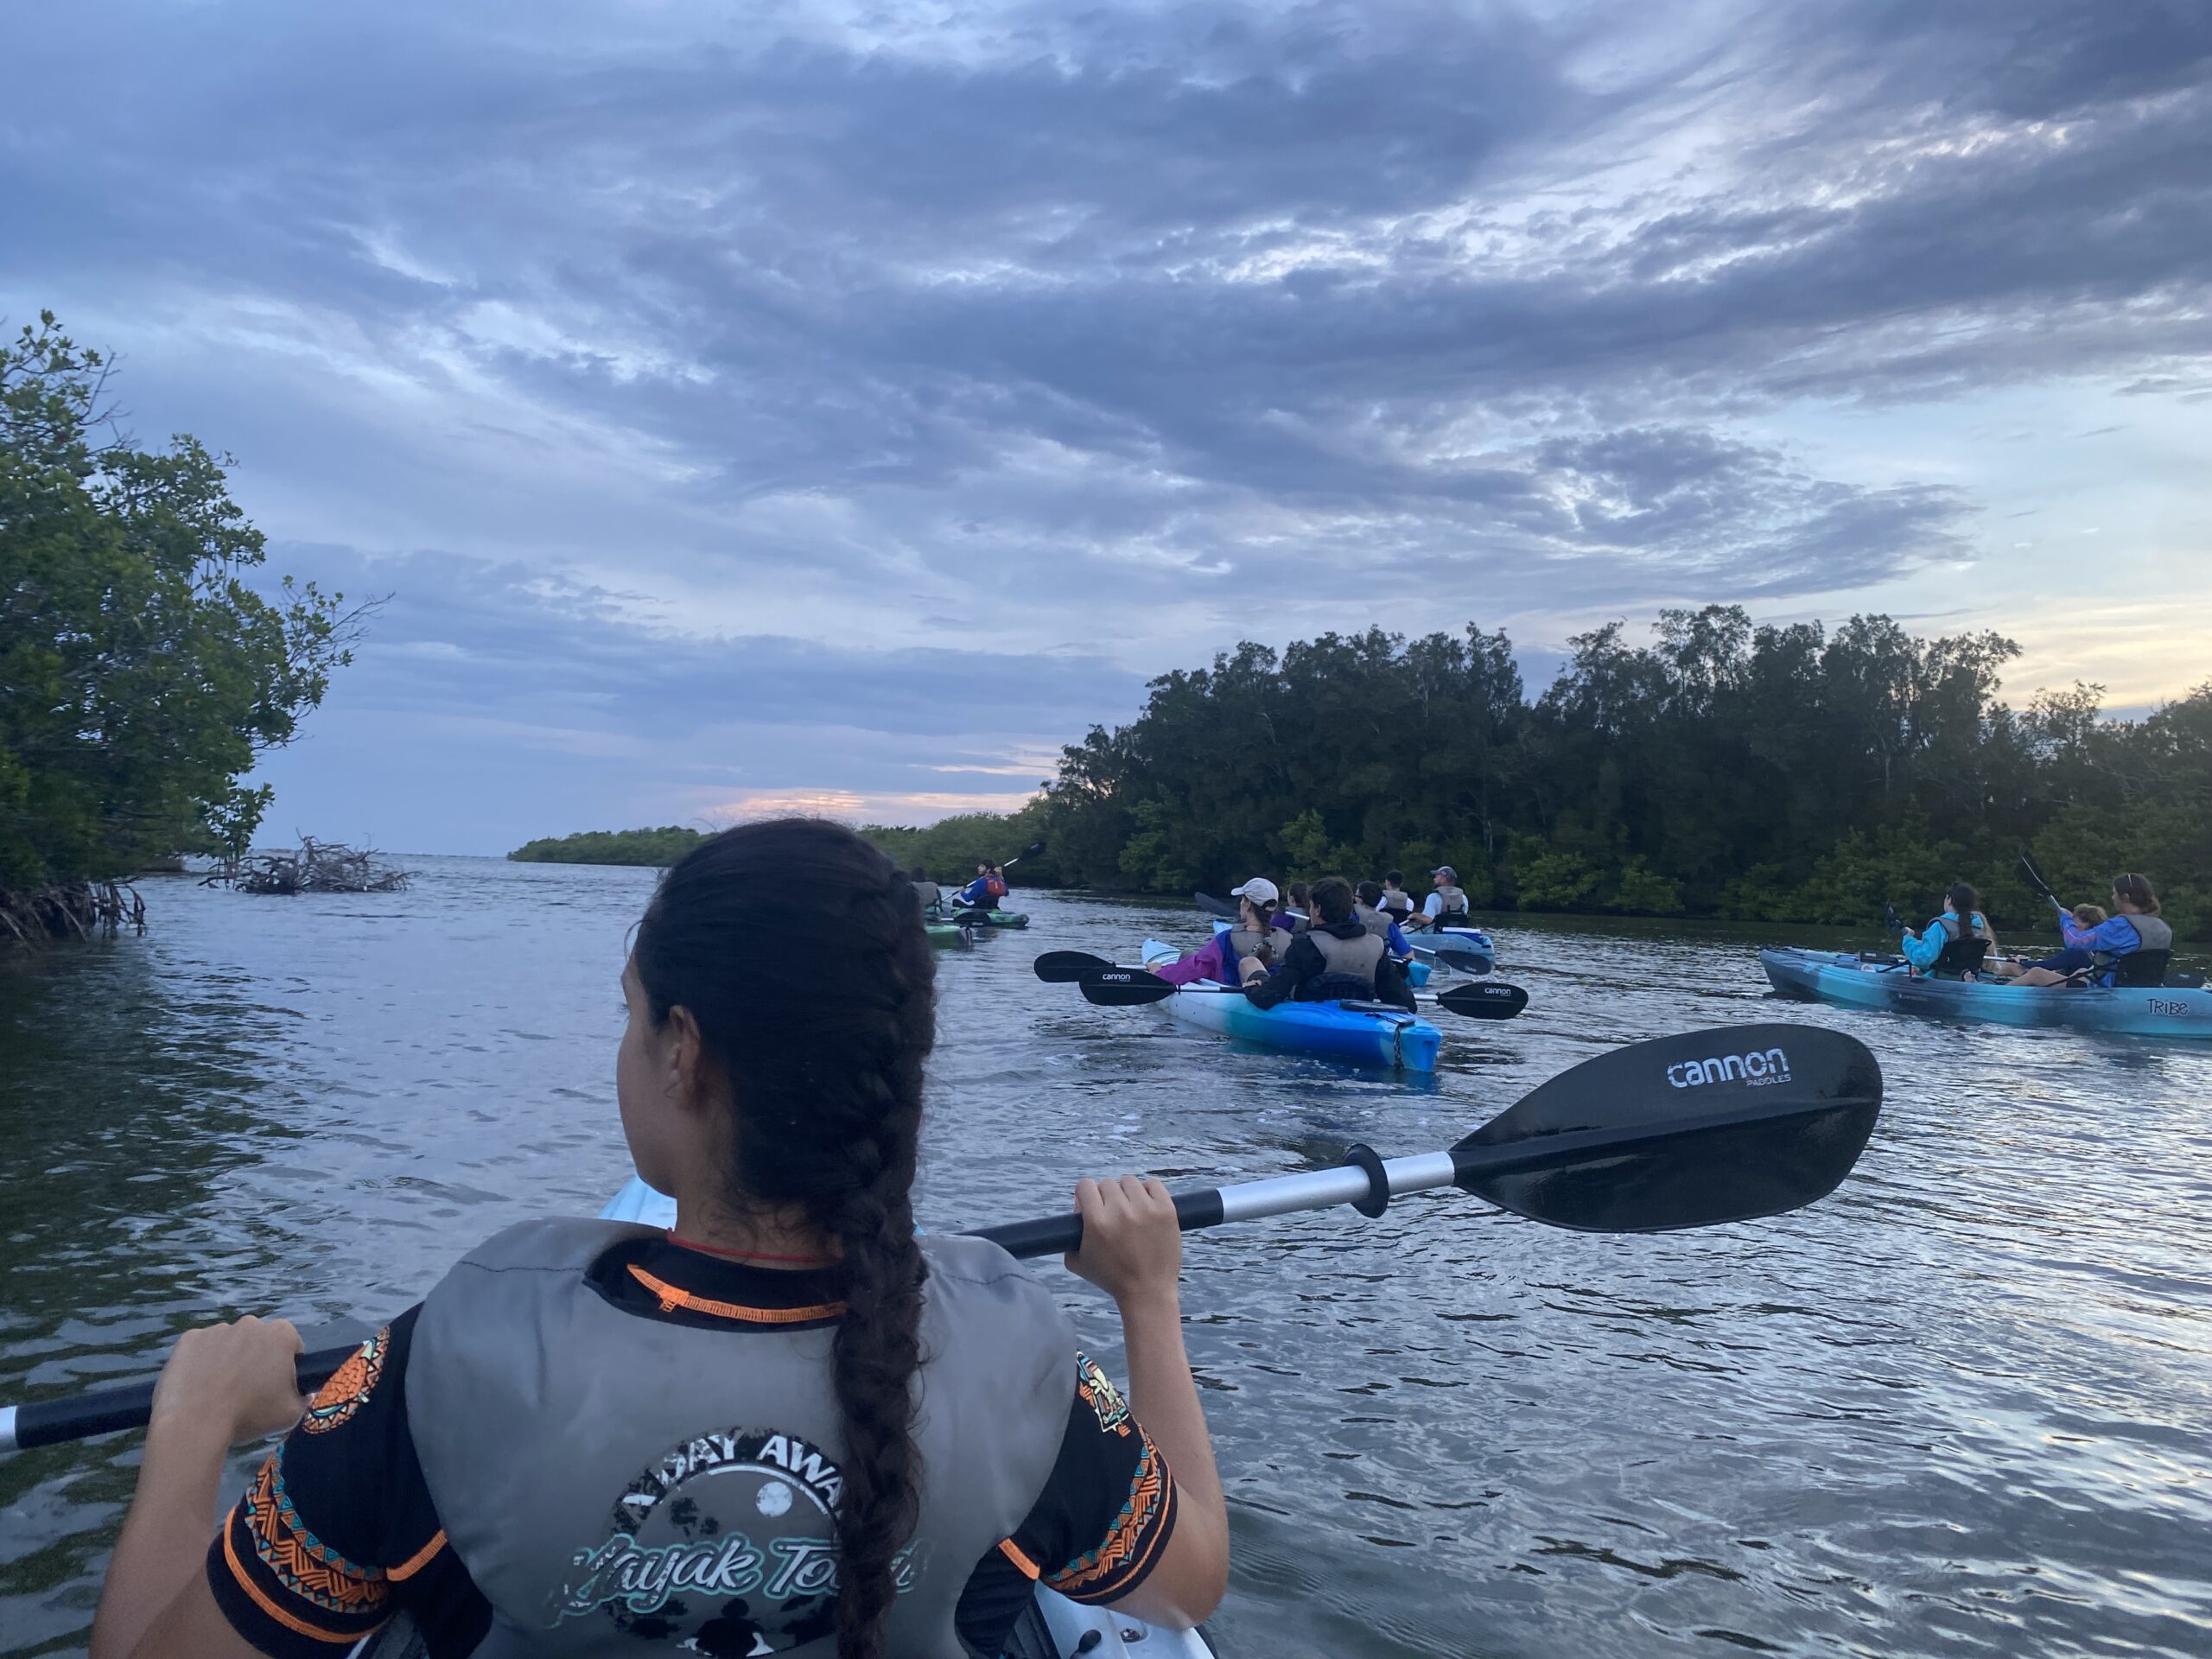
[(140, 673), (1761, 773), (656, 849)]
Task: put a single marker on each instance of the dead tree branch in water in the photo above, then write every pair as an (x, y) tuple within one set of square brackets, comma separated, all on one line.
[(313, 867)]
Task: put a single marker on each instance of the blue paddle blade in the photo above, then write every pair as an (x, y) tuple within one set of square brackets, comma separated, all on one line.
[(1685, 1131)]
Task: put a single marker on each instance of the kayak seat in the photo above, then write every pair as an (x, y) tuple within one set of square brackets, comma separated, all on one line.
[(1961, 957), (2142, 967)]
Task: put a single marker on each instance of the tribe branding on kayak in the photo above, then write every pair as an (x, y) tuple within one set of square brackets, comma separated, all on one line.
[(1754, 1069)]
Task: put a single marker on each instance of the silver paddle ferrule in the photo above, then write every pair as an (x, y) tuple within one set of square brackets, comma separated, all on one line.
[(1283, 1195)]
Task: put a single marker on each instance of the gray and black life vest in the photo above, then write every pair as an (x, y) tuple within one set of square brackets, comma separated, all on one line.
[(929, 895), (1376, 924), (1451, 901), (608, 1479), (1955, 930), (1398, 904), (1348, 965), (1246, 942), (2152, 930)]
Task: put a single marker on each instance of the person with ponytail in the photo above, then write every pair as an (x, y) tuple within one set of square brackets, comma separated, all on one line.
[(786, 1424), (1962, 920), (2131, 946)]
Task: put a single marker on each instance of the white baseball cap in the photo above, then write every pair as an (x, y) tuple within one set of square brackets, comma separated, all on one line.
[(1259, 890)]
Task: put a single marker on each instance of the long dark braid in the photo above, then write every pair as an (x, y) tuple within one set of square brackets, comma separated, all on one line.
[(823, 1052)]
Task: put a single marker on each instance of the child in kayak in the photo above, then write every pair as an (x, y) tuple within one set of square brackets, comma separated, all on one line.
[(1961, 919), (1338, 959), (2099, 948), (788, 1421), (1238, 955)]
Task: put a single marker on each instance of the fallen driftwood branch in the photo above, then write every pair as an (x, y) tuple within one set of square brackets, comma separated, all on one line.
[(313, 867), (71, 909)]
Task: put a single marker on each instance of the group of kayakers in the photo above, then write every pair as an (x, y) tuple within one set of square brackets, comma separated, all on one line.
[(2129, 945), (1328, 941)]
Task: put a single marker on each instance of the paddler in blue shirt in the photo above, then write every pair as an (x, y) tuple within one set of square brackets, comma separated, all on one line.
[(976, 895)]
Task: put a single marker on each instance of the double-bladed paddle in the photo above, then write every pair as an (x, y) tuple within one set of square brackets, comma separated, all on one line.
[(1686, 1131), (1113, 987)]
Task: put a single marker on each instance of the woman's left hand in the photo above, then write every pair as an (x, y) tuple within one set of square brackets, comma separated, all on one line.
[(240, 1379)]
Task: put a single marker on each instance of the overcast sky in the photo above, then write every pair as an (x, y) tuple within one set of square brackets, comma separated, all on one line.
[(847, 404)]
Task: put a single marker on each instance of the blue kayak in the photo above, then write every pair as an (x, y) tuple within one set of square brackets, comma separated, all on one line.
[(1053, 1627), (1361, 1032), (1472, 940), (1883, 984)]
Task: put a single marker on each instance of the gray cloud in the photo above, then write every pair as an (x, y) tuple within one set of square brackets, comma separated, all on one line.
[(1095, 324)]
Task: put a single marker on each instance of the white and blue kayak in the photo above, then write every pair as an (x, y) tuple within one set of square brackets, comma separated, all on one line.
[(1883, 984), (1362, 1032), (1472, 940), (1053, 1627)]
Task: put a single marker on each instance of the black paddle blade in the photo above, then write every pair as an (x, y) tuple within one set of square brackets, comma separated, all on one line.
[(1066, 966), (1492, 1001), (1684, 1131), (1466, 961), (1891, 920), (1214, 907), (1030, 851), (1125, 988)]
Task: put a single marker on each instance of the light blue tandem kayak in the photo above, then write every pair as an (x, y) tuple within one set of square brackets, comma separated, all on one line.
[(1363, 1033), (1882, 984), (1055, 1628)]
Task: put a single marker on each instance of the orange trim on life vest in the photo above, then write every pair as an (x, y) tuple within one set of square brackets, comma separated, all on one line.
[(673, 1297), (1012, 1551), (421, 1559), (290, 1620)]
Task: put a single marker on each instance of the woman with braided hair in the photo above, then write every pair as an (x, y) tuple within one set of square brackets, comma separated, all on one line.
[(786, 1425)]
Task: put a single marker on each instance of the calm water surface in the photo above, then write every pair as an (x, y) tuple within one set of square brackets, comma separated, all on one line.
[(1963, 1407)]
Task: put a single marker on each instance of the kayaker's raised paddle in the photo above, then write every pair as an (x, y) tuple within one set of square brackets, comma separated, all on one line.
[(1213, 906), (1135, 987), (1891, 920), (1687, 1131), (1030, 851)]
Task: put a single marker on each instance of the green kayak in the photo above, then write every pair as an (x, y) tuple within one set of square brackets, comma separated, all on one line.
[(944, 935), (992, 918)]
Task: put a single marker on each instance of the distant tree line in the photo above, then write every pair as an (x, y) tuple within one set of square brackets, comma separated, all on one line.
[(1754, 772), (655, 848), (140, 671)]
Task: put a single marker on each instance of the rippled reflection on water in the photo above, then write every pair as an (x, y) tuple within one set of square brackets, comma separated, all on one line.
[(1963, 1407)]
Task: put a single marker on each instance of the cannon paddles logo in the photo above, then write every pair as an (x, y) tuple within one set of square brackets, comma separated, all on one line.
[(1758, 1068), (725, 1547)]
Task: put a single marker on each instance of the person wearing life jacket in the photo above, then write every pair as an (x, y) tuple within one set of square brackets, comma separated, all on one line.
[(1446, 904), (1962, 920), (1368, 907), (1237, 955), (2131, 947), (976, 895), (1297, 913), (997, 879), (927, 894), (789, 1424), (1336, 960), (1396, 903)]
